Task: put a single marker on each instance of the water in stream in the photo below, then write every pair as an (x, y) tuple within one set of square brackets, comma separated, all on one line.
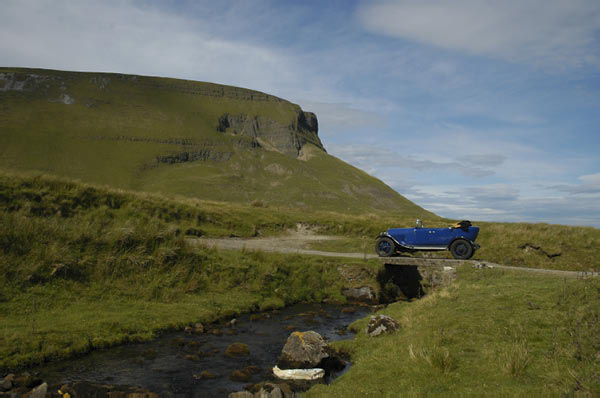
[(172, 365)]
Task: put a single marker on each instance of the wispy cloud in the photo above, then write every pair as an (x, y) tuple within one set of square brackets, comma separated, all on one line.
[(589, 184), (552, 32), (507, 203), (337, 117), (376, 158), (128, 38)]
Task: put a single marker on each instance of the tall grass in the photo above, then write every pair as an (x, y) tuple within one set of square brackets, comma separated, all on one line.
[(515, 358)]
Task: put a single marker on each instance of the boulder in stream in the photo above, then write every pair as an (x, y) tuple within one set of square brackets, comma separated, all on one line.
[(266, 390), (198, 328), (38, 392), (204, 375), (241, 394), (237, 350), (240, 375), (303, 350), (6, 383)]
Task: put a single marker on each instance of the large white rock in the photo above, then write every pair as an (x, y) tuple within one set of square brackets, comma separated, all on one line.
[(299, 374)]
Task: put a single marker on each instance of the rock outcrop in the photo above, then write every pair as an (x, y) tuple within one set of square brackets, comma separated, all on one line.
[(381, 324), (271, 134), (363, 294)]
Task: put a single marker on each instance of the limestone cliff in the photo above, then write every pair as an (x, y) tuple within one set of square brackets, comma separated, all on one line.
[(273, 135)]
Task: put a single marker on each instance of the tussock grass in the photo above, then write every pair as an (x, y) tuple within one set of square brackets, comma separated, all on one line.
[(435, 356), (516, 358)]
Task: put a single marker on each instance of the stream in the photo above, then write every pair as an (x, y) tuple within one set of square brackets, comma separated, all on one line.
[(179, 364)]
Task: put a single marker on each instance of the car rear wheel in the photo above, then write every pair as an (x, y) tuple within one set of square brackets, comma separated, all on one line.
[(385, 247), (461, 249)]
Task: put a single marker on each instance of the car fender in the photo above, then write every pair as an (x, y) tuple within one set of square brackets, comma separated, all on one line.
[(387, 235)]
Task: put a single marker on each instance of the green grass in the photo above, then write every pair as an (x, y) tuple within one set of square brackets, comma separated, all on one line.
[(85, 267), (84, 141), (492, 332)]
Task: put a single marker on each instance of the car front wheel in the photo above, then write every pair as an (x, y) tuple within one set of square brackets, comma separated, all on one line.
[(385, 247), (461, 249)]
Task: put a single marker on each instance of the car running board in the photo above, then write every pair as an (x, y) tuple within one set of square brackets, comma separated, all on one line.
[(424, 248)]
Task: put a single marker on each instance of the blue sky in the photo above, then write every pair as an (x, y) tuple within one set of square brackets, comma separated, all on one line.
[(484, 110)]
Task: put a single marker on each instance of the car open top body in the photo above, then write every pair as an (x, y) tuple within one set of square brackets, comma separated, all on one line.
[(459, 240)]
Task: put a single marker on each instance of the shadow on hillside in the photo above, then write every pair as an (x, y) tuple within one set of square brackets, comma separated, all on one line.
[(399, 283)]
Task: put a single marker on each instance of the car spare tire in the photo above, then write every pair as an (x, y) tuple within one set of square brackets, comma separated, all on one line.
[(462, 249), (385, 247)]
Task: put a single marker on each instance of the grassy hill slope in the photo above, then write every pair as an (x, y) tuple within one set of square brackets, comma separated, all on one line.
[(179, 137)]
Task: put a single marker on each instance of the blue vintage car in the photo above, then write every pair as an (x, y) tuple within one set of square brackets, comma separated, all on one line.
[(459, 239)]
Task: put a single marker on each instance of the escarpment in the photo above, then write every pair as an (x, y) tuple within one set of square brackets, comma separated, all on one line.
[(287, 137), (271, 134)]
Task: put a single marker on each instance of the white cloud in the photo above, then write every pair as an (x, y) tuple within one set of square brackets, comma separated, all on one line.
[(591, 179), (491, 193), (506, 203), (589, 186), (335, 117), (376, 158), (132, 37), (539, 31)]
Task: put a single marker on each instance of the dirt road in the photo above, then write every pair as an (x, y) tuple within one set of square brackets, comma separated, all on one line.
[(296, 241), (291, 243)]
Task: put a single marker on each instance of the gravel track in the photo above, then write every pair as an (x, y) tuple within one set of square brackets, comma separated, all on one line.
[(296, 241)]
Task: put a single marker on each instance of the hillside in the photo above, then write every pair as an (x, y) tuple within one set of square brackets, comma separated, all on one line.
[(179, 137)]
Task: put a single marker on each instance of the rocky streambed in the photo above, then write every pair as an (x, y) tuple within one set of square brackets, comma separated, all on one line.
[(203, 361)]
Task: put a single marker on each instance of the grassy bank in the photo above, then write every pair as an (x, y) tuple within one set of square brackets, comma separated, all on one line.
[(66, 315), (83, 267), (492, 332)]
